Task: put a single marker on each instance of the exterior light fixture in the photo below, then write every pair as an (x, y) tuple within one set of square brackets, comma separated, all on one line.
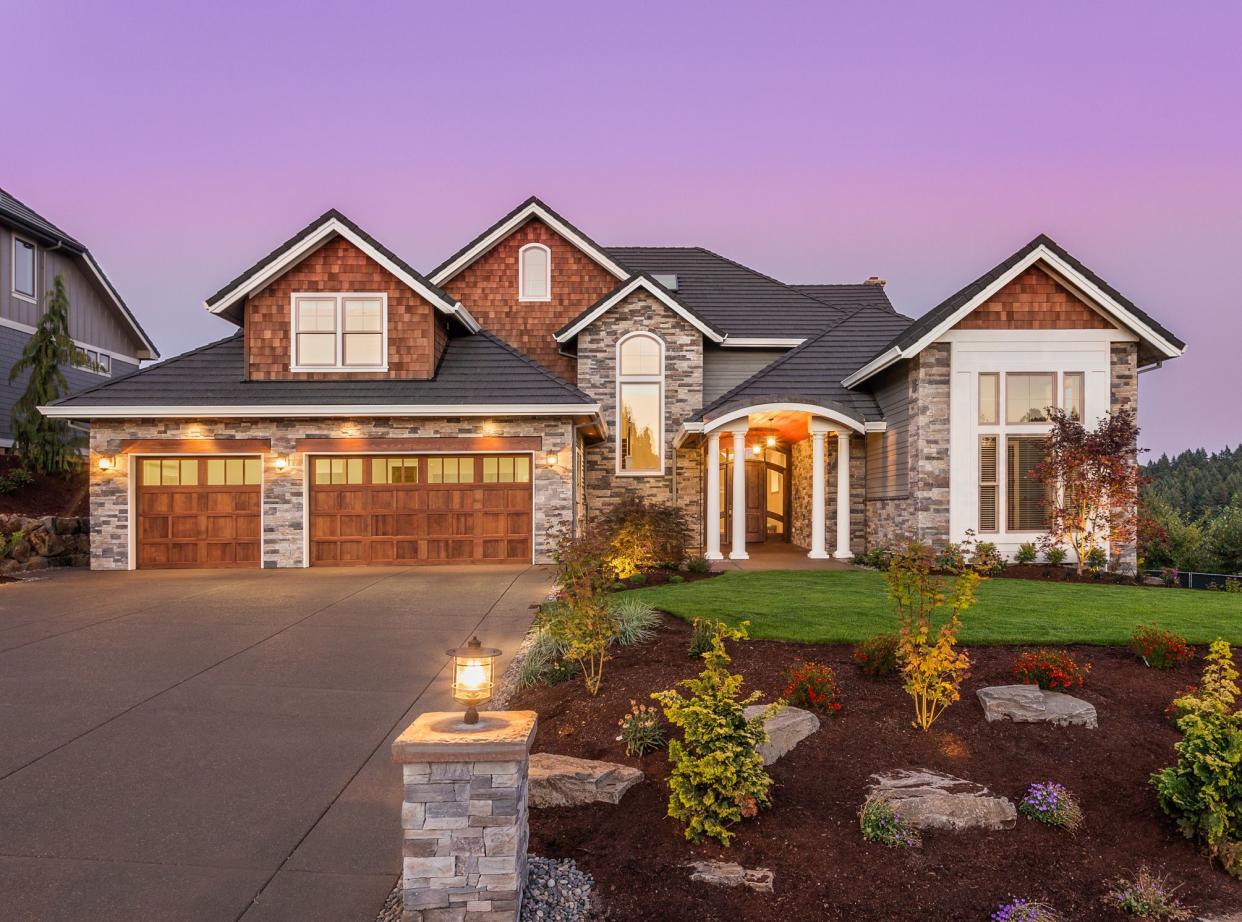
[(551, 458), (473, 667), (771, 441), (106, 462), (756, 450), (282, 462)]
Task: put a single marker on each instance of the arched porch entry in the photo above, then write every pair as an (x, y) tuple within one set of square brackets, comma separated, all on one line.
[(749, 453)]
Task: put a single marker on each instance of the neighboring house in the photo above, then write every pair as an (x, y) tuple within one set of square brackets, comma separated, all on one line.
[(33, 251), (364, 413)]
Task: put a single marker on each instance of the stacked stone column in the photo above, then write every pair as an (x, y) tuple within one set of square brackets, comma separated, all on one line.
[(464, 816)]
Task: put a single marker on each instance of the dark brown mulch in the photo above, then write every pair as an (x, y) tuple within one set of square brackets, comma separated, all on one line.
[(661, 577), (810, 838), (1059, 574), (67, 495)]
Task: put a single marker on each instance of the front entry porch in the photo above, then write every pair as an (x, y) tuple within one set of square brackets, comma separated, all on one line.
[(779, 555)]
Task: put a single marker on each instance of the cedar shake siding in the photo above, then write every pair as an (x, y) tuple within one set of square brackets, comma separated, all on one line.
[(1033, 301), (416, 334), (489, 288)]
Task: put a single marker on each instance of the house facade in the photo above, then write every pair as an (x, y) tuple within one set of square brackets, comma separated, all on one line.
[(364, 413), (33, 251)]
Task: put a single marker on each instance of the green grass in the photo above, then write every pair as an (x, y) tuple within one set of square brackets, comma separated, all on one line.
[(839, 606)]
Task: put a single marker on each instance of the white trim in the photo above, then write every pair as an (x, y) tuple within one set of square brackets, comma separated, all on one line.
[(321, 410), (522, 272), (762, 342), (619, 380), (1068, 274), (662, 296), (81, 344), (32, 298), (295, 254), (339, 297), (533, 210), (813, 409)]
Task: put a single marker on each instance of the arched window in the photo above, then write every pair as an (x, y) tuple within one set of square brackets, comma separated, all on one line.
[(534, 273), (640, 404)]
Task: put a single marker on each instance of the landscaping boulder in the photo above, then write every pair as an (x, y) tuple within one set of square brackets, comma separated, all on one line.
[(786, 729), (1031, 704), (934, 800), (563, 781), (729, 874)]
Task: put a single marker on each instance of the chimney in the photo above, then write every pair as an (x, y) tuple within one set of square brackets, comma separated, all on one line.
[(875, 280)]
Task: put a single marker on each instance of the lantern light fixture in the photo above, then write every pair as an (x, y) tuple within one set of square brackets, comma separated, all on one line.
[(106, 462), (282, 462), (756, 449), (473, 668), (771, 441), (551, 458)]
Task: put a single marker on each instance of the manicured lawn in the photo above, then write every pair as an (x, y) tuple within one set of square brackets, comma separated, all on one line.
[(834, 606)]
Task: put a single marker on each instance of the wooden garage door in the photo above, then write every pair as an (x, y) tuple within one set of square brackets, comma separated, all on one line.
[(199, 512), (420, 509)]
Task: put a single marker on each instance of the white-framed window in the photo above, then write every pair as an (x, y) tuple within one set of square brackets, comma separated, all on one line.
[(534, 273), (25, 284), (93, 360), (344, 331), (640, 404)]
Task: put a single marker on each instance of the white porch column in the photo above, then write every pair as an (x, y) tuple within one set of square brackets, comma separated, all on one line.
[(818, 501), (738, 551), (843, 551), (712, 526)]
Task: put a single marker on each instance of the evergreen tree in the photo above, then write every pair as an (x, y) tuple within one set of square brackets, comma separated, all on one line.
[(45, 445)]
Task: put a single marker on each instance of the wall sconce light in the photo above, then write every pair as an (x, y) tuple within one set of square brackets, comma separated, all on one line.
[(473, 667), (281, 462), (551, 458), (107, 462), (771, 441), (756, 450)]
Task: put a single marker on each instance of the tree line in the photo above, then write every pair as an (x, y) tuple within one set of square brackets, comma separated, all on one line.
[(1192, 511)]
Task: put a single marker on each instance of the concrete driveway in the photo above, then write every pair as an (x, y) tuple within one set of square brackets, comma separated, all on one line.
[(213, 745)]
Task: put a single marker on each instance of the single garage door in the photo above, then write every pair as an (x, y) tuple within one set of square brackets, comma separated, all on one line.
[(199, 512), (420, 509)]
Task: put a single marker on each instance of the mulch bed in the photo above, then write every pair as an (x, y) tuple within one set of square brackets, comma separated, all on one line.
[(810, 837), (68, 495), (1060, 574)]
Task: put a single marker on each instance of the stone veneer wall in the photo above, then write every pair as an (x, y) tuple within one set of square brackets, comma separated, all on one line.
[(801, 499), (284, 491), (1124, 395), (681, 481)]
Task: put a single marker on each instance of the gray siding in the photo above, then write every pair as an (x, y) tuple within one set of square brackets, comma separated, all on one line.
[(11, 344), (94, 320), (725, 369), (888, 452)]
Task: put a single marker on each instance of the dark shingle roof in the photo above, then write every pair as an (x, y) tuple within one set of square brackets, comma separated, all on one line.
[(929, 321), (476, 369), (654, 282), (812, 373), (27, 219), (849, 296)]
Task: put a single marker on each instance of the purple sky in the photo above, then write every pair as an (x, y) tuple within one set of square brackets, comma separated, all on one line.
[(922, 142)]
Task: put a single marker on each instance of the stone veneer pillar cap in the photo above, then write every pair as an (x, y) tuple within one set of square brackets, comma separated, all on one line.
[(436, 736)]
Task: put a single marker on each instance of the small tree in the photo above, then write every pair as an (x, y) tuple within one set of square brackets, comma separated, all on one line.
[(42, 443), (1093, 478)]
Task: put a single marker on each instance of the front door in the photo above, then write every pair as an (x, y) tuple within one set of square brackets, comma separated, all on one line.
[(756, 514)]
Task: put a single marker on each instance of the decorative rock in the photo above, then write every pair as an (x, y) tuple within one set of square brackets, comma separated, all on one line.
[(729, 874), (1152, 581), (934, 800), (786, 729), (1031, 704), (563, 781)]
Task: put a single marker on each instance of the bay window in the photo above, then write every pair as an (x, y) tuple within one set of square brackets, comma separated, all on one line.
[(340, 331), (640, 404)]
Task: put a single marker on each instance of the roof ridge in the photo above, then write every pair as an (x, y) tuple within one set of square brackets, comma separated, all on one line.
[(762, 275)]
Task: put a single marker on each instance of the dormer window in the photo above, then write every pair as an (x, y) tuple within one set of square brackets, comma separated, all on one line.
[(345, 331), (534, 273)]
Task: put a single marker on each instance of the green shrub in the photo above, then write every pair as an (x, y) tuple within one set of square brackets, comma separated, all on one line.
[(635, 580), (877, 655), (584, 626), (676, 578), (1026, 553), (877, 557), (986, 558), (1224, 539), (635, 620), (880, 822), (1147, 896), (704, 630), (699, 565), (15, 479), (718, 778), (641, 730), (1054, 555), (542, 661), (642, 536), (1096, 559)]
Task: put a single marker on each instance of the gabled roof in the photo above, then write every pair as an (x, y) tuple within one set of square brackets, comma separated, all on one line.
[(531, 208), (624, 290), (1157, 343), (226, 302), (27, 220), (812, 372), (479, 374), (849, 295)]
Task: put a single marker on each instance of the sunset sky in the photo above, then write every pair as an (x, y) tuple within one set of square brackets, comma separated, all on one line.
[(920, 142)]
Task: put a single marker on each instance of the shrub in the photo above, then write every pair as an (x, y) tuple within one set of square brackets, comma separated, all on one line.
[(1147, 896), (1026, 553), (676, 578), (932, 666), (699, 565), (642, 536), (1020, 910), (952, 558), (717, 777), (581, 561), (813, 686), (880, 822), (1052, 804), (15, 479), (1202, 792), (635, 620), (1054, 555), (584, 625), (986, 558), (1096, 559), (877, 655), (635, 580), (876, 557), (1160, 649), (704, 630), (641, 729), (1050, 669)]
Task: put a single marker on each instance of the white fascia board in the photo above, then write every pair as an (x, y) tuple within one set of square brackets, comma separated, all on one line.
[(875, 427), (89, 259), (624, 292), (762, 342), (686, 430), (312, 242), (532, 210), (321, 410), (876, 365)]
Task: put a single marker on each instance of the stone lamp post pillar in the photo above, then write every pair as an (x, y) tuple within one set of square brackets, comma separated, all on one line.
[(464, 817)]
